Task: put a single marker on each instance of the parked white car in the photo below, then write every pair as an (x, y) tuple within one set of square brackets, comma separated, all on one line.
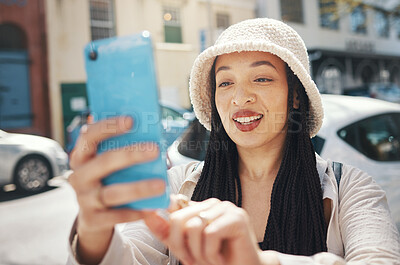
[(29, 161), (358, 131)]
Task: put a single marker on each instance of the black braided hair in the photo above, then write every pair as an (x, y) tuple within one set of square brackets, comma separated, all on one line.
[(296, 223)]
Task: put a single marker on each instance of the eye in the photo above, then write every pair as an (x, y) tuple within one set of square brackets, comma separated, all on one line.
[(263, 80), (224, 84)]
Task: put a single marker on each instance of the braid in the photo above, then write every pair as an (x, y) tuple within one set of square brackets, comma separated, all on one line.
[(296, 223), (221, 162)]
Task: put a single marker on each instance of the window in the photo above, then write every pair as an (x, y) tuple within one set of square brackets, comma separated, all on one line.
[(223, 21), (358, 20), (397, 25), (102, 19), (328, 13), (377, 137), (318, 143), (172, 24), (15, 90), (292, 11), (382, 23), (332, 80), (12, 37)]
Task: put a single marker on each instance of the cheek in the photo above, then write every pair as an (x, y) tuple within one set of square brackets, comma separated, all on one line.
[(275, 106), (221, 102)]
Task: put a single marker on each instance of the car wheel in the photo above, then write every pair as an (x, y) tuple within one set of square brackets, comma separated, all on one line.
[(32, 174)]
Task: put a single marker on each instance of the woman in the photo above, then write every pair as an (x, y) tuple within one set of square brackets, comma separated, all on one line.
[(273, 200)]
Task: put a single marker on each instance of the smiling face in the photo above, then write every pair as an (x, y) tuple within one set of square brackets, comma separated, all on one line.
[(251, 98)]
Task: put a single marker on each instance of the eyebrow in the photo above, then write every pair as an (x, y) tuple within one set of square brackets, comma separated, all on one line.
[(255, 64), (258, 63), (222, 68)]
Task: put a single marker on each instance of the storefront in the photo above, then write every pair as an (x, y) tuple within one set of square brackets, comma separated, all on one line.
[(338, 72)]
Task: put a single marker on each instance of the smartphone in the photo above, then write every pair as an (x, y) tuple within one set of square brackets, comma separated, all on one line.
[(121, 80)]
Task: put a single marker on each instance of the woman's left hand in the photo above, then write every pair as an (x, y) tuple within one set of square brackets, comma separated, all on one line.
[(207, 233)]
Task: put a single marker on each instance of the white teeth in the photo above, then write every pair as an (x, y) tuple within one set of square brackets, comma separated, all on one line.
[(248, 119)]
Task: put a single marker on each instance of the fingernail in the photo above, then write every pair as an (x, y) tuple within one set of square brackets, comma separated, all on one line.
[(126, 122)]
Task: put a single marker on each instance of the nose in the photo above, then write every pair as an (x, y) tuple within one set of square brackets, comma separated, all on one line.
[(243, 96)]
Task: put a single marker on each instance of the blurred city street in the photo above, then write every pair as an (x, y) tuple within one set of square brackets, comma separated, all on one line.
[(35, 229), (354, 59)]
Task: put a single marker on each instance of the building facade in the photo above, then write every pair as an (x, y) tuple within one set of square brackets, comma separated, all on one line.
[(24, 90), (180, 30), (351, 43)]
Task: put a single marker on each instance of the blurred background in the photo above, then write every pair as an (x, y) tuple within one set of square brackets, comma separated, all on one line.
[(354, 50)]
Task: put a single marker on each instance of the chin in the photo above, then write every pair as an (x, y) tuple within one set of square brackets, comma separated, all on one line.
[(256, 139), (249, 140)]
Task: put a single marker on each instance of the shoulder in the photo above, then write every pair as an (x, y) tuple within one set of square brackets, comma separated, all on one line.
[(366, 225), (354, 180), (178, 175), (351, 177), (358, 187), (355, 187), (362, 215)]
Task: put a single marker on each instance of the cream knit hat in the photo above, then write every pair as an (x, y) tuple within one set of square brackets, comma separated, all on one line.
[(260, 34)]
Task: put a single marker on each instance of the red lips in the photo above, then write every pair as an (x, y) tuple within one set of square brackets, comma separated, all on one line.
[(246, 113)]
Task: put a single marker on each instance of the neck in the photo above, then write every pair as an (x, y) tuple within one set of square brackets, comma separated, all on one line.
[(260, 164)]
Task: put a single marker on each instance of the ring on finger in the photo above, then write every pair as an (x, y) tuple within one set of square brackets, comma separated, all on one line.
[(204, 218), (100, 197)]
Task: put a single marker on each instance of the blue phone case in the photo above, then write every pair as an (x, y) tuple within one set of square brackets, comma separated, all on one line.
[(121, 80)]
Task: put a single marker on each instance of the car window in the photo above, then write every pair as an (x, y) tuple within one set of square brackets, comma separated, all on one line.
[(318, 143), (376, 137), (194, 141), (170, 114)]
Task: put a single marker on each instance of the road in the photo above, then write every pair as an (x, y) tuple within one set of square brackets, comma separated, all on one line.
[(34, 230)]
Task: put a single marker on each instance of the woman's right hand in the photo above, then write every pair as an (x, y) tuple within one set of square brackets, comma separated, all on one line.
[(96, 218)]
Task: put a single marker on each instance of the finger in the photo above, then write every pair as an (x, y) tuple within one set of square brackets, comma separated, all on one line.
[(158, 225), (213, 241), (193, 209), (176, 240), (194, 229), (108, 162), (119, 194), (178, 202), (233, 226), (92, 134), (91, 200), (215, 211), (93, 221)]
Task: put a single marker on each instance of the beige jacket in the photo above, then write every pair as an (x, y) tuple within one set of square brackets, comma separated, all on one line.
[(360, 230)]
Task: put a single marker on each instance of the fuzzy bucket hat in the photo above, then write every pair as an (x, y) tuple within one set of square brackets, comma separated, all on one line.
[(260, 34)]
